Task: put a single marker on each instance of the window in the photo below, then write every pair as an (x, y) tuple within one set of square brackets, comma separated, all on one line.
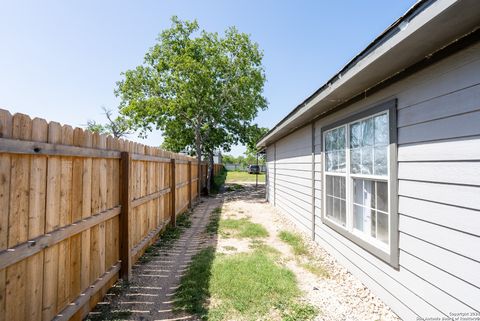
[(359, 189)]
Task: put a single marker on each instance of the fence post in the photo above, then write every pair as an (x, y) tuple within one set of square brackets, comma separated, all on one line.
[(173, 189), (189, 184), (125, 222)]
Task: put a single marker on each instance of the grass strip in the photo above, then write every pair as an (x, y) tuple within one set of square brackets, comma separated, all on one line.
[(295, 241), (243, 286), (241, 228)]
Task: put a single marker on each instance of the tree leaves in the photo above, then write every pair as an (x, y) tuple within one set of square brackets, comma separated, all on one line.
[(201, 89)]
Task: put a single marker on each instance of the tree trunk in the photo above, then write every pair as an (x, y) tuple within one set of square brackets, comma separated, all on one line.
[(210, 172), (198, 151)]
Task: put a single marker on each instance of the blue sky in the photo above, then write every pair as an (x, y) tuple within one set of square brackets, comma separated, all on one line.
[(59, 60)]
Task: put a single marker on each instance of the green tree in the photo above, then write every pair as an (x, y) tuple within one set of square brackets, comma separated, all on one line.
[(116, 126), (229, 159), (201, 89), (256, 133)]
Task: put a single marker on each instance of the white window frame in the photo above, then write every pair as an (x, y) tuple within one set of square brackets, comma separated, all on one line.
[(387, 252)]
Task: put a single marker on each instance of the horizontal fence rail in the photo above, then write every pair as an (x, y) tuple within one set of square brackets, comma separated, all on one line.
[(77, 209)]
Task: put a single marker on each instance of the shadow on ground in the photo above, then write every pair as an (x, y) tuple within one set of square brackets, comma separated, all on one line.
[(168, 270)]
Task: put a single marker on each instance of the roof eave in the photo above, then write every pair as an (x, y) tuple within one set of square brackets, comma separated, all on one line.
[(384, 57)]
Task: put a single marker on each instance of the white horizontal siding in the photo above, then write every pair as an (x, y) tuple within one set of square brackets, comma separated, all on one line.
[(438, 188), (462, 125), (463, 149), (458, 218), (463, 196), (461, 267), (457, 102), (293, 170), (441, 172)]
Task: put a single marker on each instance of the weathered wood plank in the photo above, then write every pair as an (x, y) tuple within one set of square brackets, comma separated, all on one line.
[(85, 297), (95, 255), (36, 223), (77, 204), (5, 163), (86, 212), (18, 221), (147, 239), (14, 146), (189, 177), (65, 218), (149, 158), (173, 193), (147, 198), (50, 270), (125, 217)]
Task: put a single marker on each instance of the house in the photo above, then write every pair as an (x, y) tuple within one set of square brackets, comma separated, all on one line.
[(381, 165)]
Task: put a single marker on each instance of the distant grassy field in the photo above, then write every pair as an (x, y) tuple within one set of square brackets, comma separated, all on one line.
[(235, 177)]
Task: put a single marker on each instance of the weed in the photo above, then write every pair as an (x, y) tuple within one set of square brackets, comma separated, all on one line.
[(299, 248), (234, 187), (212, 226), (261, 247), (316, 269), (295, 241), (119, 287), (172, 233), (299, 312), (242, 228)]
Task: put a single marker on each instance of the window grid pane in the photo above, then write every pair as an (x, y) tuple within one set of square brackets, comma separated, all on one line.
[(335, 199), (368, 195), (367, 143)]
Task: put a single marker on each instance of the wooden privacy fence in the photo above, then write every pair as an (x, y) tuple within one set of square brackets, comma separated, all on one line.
[(76, 211), (217, 168)]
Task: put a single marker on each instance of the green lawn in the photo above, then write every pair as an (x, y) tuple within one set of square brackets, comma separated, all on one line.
[(241, 228), (243, 177), (243, 286)]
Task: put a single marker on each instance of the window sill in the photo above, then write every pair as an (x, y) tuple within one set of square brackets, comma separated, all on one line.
[(385, 256)]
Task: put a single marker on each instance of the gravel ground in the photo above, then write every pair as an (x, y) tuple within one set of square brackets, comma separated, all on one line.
[(341, 296)]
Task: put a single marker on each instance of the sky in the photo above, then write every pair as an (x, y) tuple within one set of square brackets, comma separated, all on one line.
[(60, 60)]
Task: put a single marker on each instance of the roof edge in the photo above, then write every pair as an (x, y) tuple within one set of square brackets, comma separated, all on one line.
[(389, 32)]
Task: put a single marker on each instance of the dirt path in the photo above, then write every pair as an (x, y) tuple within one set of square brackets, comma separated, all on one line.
[(150, 293)]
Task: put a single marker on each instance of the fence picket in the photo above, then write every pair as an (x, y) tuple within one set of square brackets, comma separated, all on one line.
[(5, 163), (57, 259), (36, 222), (52, 222)]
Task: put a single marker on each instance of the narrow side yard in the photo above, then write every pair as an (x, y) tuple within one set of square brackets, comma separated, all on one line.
[(236, 258)]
